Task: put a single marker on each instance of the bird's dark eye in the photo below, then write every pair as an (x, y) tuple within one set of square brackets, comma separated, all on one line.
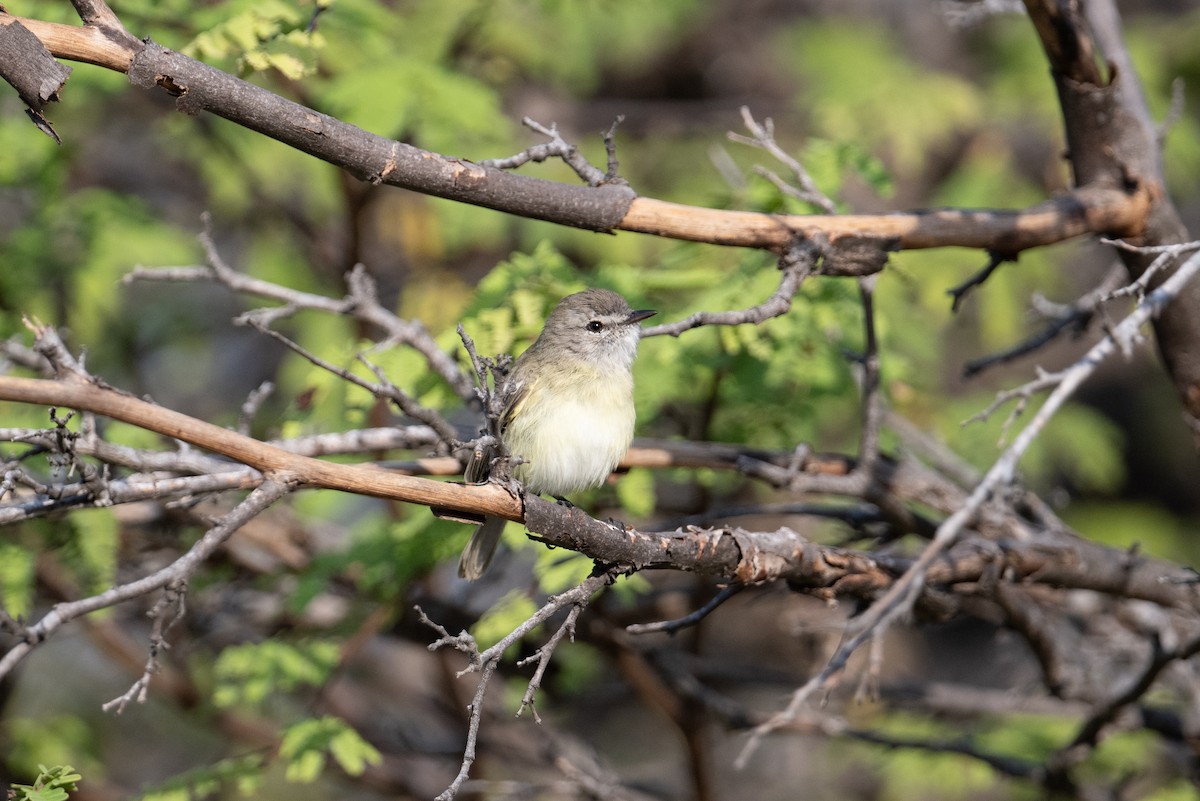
[(595, 325)]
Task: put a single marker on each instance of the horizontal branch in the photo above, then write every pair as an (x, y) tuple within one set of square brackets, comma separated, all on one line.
[(856, 243), (1087, 210), (301, 470), (731, 554), (755, 557)]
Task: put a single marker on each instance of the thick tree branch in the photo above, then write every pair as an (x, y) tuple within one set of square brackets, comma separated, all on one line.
[(1112, 141), (1117, 211)]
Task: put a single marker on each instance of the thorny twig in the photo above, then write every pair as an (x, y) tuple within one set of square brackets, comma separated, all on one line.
[(610, 149), (542, 657), (168, 611)]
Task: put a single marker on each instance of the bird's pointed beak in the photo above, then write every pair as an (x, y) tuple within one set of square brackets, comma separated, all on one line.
[(639, 315)]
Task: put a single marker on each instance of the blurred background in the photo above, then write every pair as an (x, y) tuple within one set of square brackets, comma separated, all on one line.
[(306, 617)]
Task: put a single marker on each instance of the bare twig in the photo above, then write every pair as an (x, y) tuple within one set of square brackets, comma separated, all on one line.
[(97, 12), (610, 148), (899, 598), (384, 389), (360, 303), (485, 662), (1074, 317), (1022, 395), (557, 147), (872, 398), (251, 405), (1175, 111), (795, 265), (542, 658), (960, 292), (1090, 732), (763, 136), (672, 626), (258, 500), (168, 611)]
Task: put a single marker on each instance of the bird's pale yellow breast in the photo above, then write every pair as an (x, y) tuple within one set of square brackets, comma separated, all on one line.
[(571, 430)]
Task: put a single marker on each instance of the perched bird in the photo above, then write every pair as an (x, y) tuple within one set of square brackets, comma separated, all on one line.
[(567, 407)]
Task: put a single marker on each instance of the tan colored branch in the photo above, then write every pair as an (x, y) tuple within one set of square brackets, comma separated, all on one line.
[(1088, 210), (362, 479), (852, 238), (88, 44)]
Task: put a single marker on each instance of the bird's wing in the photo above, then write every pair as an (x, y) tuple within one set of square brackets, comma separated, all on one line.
[(516, 392), (479, 466)]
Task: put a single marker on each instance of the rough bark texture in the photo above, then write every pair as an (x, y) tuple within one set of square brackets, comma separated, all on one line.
[(199, 87), (1112, 141)]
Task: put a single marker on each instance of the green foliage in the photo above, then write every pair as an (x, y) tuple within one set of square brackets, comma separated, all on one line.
[(94, 548), (16, 579), (267, 34), (917, 773), (830, 164), (384, 556), (244, 774), (505, 615), (51, 784), (635, 490), (854, 75), (49, 740), (767, 384), (512, 301), (452, 75), (588, 38), (1178, 790), (1130, 524), (250, 674), (85, 546), (306, 746), (557, 570)]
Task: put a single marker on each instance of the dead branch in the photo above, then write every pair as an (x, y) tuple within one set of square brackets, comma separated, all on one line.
[(360, 303), (258, 500)]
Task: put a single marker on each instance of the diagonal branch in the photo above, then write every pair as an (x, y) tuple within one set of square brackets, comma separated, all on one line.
[(899, 598)]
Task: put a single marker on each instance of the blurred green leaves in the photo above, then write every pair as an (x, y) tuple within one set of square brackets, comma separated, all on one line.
[(249, 675), (853, 76), (307, 745), (51, 784), (268, 34)]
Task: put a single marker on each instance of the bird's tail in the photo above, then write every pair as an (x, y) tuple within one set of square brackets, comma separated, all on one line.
[(479, 551)]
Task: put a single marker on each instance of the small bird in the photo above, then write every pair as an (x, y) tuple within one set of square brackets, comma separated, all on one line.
[(567, 407)]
